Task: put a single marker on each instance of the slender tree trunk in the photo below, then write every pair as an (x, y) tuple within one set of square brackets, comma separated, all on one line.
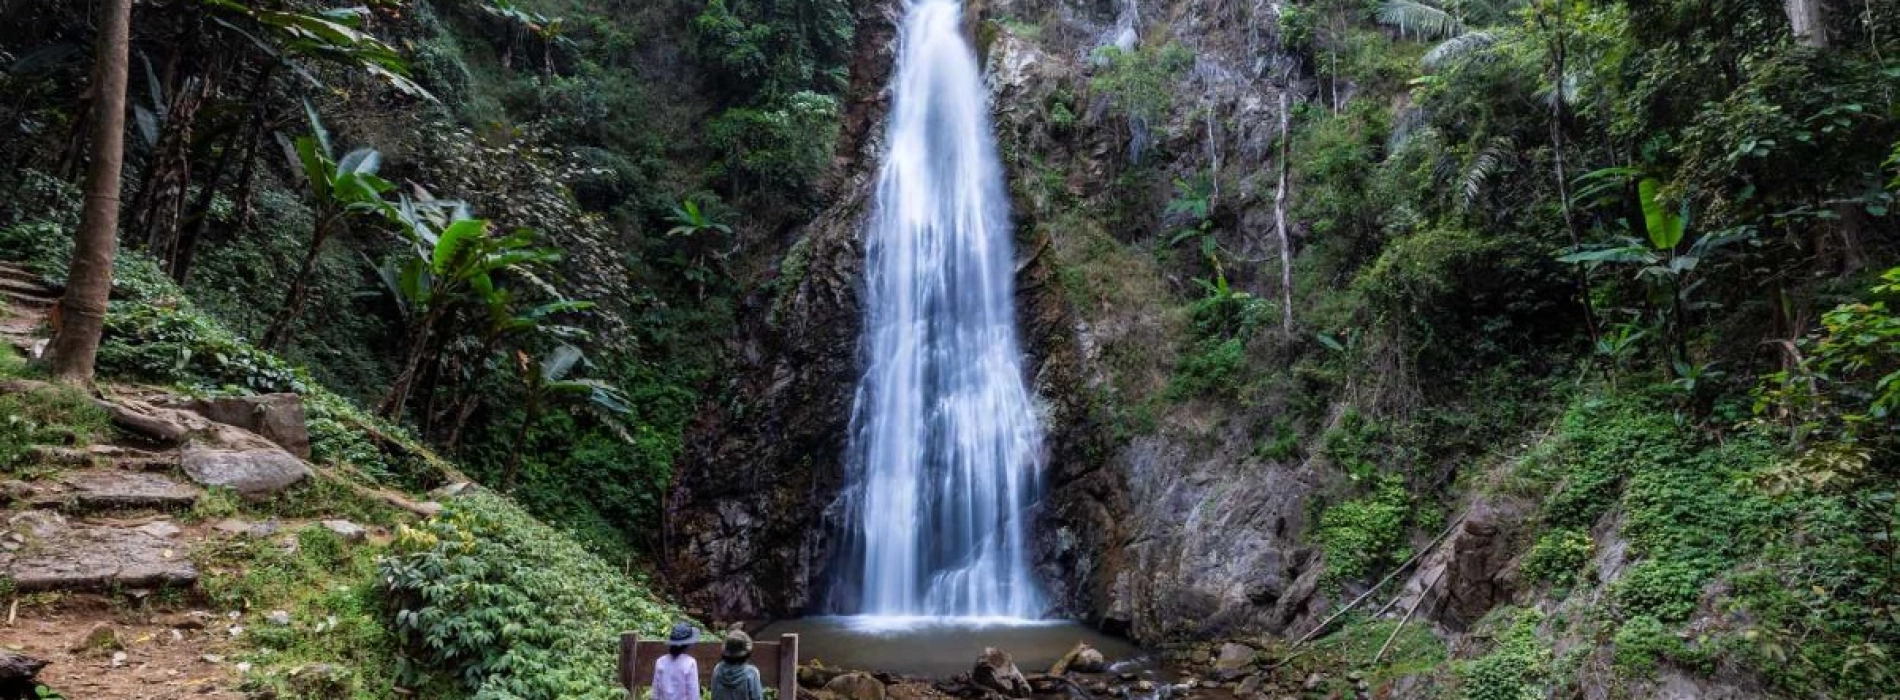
[(416, 348), (521, 438), (1559, 50), (81, 314), (463, 412), (281, 326), (200, 217), (1279, 209), (159, 208)]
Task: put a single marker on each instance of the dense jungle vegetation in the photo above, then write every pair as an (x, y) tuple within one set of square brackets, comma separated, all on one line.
[(1631, 265)]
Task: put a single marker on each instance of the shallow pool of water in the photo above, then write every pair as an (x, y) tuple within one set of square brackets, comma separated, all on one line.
[(943, 647)]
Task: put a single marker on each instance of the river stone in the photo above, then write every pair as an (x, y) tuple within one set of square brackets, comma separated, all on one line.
[(1233, 661), (253, 473), (1089, 660), (277, 417), (855, 686), (996, 670)]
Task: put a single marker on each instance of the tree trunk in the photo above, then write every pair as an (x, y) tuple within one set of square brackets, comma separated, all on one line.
[(521, 439), (416, 347), (187, 247), (281, 326), (160, 206), (1279, 209), (1559, 55), (81, 312), (1808, 20)]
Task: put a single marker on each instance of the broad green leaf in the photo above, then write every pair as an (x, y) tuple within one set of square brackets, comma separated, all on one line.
[(1665, 226)]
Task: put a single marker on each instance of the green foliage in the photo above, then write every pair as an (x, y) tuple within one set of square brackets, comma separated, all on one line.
[(1659, 588), (54, 415), (1641, 642), (1558, 556), (1142, 82), (1361, 535), (336, 645), (779, 148), (508, 607), (1518, 665), (774, 48), (1223, 321)]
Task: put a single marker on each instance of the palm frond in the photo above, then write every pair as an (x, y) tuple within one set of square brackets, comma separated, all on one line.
[(1419, 19), (1495, 158), (1460, 48)]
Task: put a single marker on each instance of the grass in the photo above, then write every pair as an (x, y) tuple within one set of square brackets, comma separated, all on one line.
[(335, 645)]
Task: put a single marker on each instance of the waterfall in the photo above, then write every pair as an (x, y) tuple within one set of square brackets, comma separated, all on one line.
[(945, 452)]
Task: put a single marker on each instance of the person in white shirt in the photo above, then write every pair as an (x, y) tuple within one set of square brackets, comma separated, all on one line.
[(676, 674)]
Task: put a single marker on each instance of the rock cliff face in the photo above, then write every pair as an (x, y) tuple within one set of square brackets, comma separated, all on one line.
[(1164, 529)]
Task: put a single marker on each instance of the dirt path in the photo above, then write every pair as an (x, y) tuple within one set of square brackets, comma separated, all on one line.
[(166, 655)]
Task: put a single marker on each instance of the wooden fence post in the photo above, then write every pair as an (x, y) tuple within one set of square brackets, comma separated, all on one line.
[(628, 643), (788, 667)]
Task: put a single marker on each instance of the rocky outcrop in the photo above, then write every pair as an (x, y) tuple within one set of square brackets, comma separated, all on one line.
[(746, 524), (1472, 571)]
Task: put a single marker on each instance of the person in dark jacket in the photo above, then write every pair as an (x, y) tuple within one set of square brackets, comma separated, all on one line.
[(734, 677)]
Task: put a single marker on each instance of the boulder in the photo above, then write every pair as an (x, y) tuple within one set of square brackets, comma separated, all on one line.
[(349, 531), (996, 671), (252, 472), (1235, 660), (816, 674), (855, 686), (277, 417), (1089, 660)]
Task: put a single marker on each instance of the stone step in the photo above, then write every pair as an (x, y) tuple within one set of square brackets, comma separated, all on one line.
[(26, 288), (43, 552), (93, 490), (16, 270), (127, 458)]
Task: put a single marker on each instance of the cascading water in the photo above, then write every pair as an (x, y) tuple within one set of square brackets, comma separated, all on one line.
[(945, 450)]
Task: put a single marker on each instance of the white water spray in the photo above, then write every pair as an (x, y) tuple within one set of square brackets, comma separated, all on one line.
[(945, 450)]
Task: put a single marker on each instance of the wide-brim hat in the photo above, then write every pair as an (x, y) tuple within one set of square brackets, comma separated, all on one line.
[(738, 646), (683, 634)]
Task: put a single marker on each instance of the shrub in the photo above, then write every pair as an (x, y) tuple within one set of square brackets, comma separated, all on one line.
[(1666, 590), (1640, 642), (1361, 534), (1558, 556), (509, 606), (1515, 669)]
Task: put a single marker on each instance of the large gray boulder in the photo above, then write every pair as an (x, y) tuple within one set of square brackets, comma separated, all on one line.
[(996, 670), (55, 556), (252, 472), (277, 417)]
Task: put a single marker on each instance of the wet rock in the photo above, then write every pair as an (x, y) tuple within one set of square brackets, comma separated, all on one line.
[(349, 531), (277, 417), (1090, 660), (93, 557), (253, 472), (996, 670), (816, 674), (855, 686), (1235, 660)]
